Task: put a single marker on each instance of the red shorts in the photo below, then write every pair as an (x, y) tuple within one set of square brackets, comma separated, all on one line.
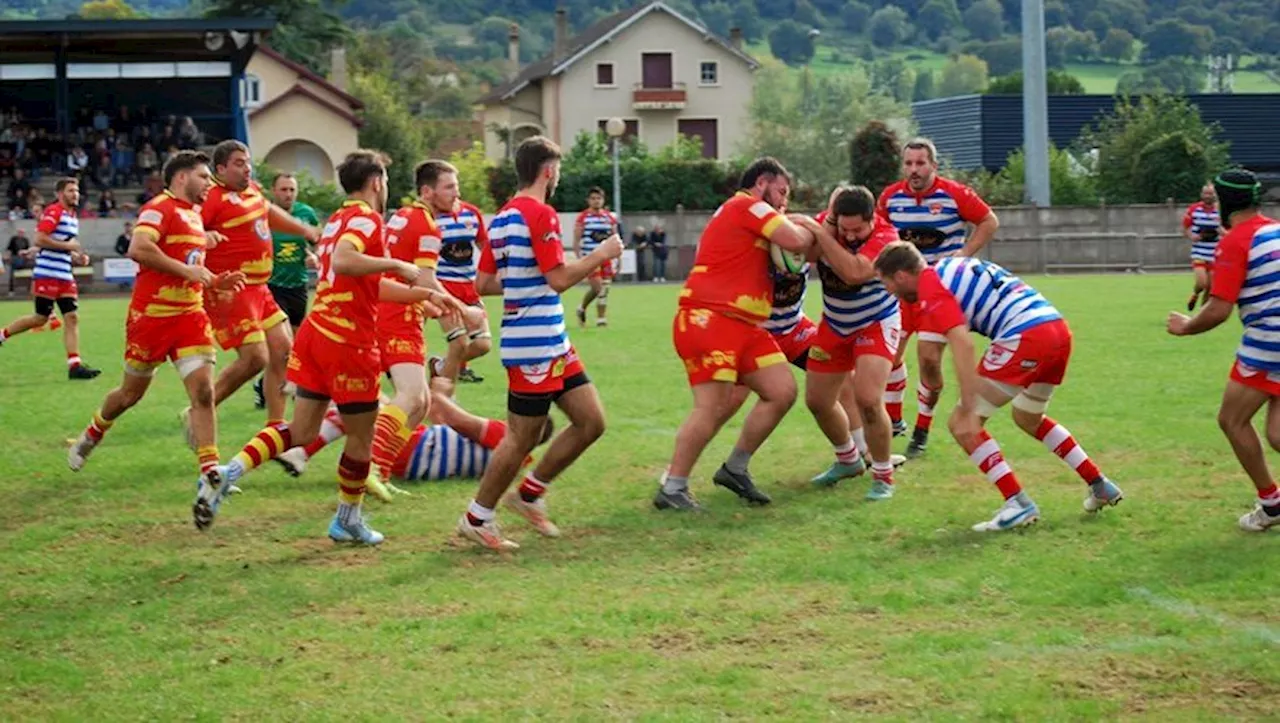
[(720, 348), (546, 377), (150, 341), (835, 354), (54, 289), (1267, 383), (464, 291), (343, 373), (1200, 264), (245, 317), (1037, 356), (606, 271), (400, 342), (795, 343)]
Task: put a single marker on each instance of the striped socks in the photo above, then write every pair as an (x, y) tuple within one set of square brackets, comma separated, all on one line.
[(391, 433)]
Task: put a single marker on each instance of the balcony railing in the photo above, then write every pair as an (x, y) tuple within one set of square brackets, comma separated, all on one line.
[(673, 98)]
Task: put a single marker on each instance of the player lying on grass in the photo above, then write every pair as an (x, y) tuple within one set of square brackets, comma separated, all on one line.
[(457, 445), (1026, 362), (1246, 269)]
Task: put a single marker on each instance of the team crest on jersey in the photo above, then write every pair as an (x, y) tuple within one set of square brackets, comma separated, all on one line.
[(195, 257), (935, 208), (190, 217), (262, 229)]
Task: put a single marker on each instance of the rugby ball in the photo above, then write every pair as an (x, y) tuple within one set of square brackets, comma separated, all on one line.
[(786, 261)]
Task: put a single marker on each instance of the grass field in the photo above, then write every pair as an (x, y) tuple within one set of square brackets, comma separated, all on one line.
[(820, 606)]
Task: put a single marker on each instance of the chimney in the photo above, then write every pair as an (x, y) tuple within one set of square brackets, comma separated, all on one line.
[(513, 51), (338, 68), (562, 33), (735, 38)]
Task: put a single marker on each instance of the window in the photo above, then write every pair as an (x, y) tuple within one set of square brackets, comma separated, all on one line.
[(709, 73), (251, 91), (604, 74)]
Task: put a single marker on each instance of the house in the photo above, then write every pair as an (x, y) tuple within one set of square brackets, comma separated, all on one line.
[(651, 66), (297, 119)]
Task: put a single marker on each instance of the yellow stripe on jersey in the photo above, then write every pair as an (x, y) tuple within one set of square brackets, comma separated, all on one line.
[(354, 240), (253, 215), (772, 225)]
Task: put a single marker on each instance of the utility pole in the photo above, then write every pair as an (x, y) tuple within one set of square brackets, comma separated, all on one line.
[(1035, 105)]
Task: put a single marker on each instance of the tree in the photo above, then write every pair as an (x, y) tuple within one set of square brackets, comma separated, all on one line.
[(1002, 56), (888, 26), (875, 156), (791, 43), (1071, 182), (747, 18), (963, 75), (855, 15), (1056, 41), (108, 10), (925, 86), (1176, 39), (390, 127), (806, 14), (1057, 83), (893, 77), (1177, 75), (938, 18), (493, 31), (1128, 15), (1117, 45), (805, 129), (1171, 166), (718, 17), (1121, 137), (1097, 23), (985, 20), (473, 176), (306, 30), (1082, 45), (1055, 15)]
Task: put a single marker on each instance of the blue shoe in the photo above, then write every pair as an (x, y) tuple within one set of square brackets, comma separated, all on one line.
[(1104, 493), (838, 471), (353, 532), (879, 491), (1012, 514), (211, 489)]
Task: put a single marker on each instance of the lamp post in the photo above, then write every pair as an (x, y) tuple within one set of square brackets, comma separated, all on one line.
[(615, 127)]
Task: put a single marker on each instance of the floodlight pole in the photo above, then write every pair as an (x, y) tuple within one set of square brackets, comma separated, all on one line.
[(617, 182), (1035, 105)]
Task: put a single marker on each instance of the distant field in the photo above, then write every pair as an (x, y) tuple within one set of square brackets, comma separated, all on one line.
[(1096, 77)]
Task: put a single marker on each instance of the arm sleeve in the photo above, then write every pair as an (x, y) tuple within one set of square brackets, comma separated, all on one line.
[(1230, 266), (761, 219), (153, 222), (488, 264), (548, 248), (939, 312), (970, 205), (1186, 217), (482, 234), (882, 204), (874, 245), (49, 219), (360, 231), (427, 255)]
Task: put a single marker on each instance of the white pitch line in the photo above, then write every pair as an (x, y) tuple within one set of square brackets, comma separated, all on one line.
[(1173, 605)]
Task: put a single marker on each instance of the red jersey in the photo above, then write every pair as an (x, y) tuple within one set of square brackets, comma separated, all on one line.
[(175, 226), (412, 236), (731, 272), (346, 306), (241, 216)]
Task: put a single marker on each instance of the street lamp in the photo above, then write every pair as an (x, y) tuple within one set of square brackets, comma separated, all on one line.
[(615, 127)]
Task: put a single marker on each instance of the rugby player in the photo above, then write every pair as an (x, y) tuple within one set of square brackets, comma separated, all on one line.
[(1202, 224), (593, 226), (1025, 363)]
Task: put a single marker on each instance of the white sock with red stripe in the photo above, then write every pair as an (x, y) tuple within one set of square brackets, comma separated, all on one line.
[(860, 441), (1270, 500), (882, 471), (926, 399), (986, 454), (73, 361), (894, 391), (1059, 441), (847, 453)]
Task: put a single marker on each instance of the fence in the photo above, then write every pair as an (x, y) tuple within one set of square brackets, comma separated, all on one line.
[(1091, 252)]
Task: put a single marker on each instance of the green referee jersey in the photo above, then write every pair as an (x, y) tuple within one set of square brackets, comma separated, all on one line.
[(290, 267)]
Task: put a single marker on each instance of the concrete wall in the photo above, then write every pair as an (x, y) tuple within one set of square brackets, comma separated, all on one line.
[(1029, 240)]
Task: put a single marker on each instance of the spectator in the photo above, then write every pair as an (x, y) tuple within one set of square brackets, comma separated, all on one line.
[(168, 154), (147, 161), (151, 187), (639, 239), (168, 139), (102, 173), (107, 204), (7, 163), (29, 165), (100, 121), (658, 247), (124, 121), (77, 162), (122, 241), (19, 190), (122, 159), (142, 136), (18, 244), (188, 135), (42, 146), (7, 137)]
